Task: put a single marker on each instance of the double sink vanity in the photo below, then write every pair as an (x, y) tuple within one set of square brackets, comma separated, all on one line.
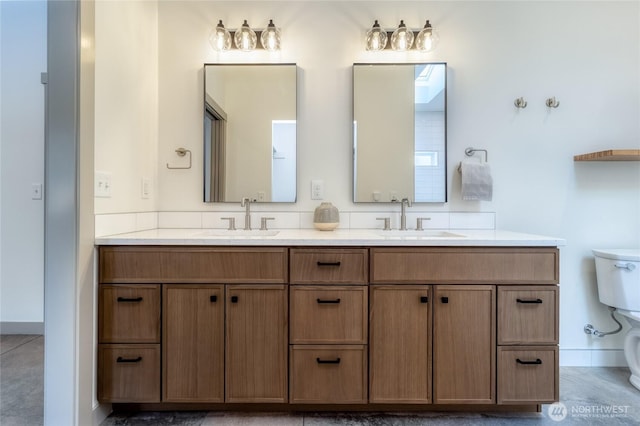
[(344, 320)]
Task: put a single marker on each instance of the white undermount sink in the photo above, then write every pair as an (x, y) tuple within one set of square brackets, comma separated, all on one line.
[(237, 233), (412, 234)]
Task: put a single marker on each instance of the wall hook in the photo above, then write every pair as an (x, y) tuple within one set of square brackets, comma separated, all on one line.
[(181, 153), (520, 102), (552, 103)]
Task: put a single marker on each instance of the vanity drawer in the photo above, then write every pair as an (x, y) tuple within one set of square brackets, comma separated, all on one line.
[(129, 313), (329, 266), (328, 374), (134, 264), (328, 314), (464, 265), (129, 373), (527, 374), (527, 315)]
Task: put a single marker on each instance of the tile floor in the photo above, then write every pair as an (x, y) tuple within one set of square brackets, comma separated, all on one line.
[(590, 396)]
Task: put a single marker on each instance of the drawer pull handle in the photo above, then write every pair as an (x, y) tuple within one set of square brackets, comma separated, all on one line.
[(120, 359), (328, 361), (328, 263), (444, 299), (424, 299), (213, 298), (529, 301), (328, 301), (234, 299), (538, 361), (130, 299)]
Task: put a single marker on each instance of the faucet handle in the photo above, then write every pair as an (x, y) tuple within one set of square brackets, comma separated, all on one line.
[(263, 223), (232, 223), (419, 223), (387, 223)]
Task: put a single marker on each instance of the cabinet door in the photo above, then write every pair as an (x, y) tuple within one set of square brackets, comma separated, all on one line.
[(193, 343), (256, 349), (399, 345), (464, 344)]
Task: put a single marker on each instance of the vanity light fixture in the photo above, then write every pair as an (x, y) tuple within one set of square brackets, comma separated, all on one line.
[(427, 39), (402, 38), (270, 38), (376, 37), (245, 38), (220, 38)]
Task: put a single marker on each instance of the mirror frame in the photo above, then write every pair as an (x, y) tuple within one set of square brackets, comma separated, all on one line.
[(216, 112), (354, 141)]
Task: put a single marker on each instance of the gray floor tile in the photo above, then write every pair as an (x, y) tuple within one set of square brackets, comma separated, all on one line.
[(9, 342), (253, 419), (21, 384), (157, 418)]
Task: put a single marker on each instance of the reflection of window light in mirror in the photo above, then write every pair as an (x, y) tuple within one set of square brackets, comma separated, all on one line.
[(283, 164), (426, 159)]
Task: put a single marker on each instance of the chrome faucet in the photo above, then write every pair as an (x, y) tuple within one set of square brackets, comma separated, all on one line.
[(404, 203), (246, 203)]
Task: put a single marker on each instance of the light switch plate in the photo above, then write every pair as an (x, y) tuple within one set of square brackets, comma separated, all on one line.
[(317, 189), (102, 185)]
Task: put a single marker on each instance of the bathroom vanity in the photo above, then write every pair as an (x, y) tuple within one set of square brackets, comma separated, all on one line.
[(348, 320)]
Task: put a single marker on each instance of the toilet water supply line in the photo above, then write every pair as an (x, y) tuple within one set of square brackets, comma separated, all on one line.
[(589, 329)]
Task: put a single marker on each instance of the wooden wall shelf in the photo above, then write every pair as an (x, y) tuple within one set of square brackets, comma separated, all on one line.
[(610, 155)]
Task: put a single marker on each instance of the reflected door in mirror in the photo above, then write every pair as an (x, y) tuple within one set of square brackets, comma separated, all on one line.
[(250, 133)]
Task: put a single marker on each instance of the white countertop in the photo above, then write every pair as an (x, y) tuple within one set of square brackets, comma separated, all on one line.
[(312, 237)]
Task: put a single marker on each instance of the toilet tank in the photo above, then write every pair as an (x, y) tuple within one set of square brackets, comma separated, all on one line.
[(618, 275)]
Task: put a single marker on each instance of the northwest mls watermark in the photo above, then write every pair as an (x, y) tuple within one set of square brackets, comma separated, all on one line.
[(559, 411)]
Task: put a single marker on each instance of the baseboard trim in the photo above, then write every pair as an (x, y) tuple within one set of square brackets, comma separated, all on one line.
[(592, 358), (12, 327)]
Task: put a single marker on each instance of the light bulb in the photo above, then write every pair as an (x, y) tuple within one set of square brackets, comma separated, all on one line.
[(427, 39), (376, 38), (401, 39), (245, 38), (220, 38), (270, 37)]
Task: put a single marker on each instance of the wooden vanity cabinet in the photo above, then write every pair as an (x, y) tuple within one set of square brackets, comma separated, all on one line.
[(329, 326), (193, 342), (129, 343), (400, 344), (256, 343), (384, 326), (464, 350)]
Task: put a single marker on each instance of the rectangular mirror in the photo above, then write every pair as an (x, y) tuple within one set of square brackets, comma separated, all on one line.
[(400, 132), (250, 132)]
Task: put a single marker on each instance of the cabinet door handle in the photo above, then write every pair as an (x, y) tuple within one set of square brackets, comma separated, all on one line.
[(538, 361), (120, 359), (444, 299), (424, 299), (529, 300), (234, 299), (328, 361), (328, 301), (213, 298), (328, 263), (130, 299)]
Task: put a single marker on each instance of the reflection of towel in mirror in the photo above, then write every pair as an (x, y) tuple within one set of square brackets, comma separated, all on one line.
[(477, 183)]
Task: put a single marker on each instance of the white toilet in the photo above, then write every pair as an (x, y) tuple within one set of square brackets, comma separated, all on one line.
[(618, 275)]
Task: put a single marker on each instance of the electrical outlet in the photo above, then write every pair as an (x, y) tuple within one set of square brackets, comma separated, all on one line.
[(102, 185), (317, 189)]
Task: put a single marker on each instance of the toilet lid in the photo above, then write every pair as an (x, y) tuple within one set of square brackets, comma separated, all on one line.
[(619, 254)]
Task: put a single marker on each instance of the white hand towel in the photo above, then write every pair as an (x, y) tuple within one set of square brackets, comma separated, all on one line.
[(477, 183)]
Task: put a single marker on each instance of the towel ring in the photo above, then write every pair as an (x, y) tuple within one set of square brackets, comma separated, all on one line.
[(470, 151)]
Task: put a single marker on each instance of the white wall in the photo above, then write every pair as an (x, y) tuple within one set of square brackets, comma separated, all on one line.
[(23, 54), (126, 127)]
